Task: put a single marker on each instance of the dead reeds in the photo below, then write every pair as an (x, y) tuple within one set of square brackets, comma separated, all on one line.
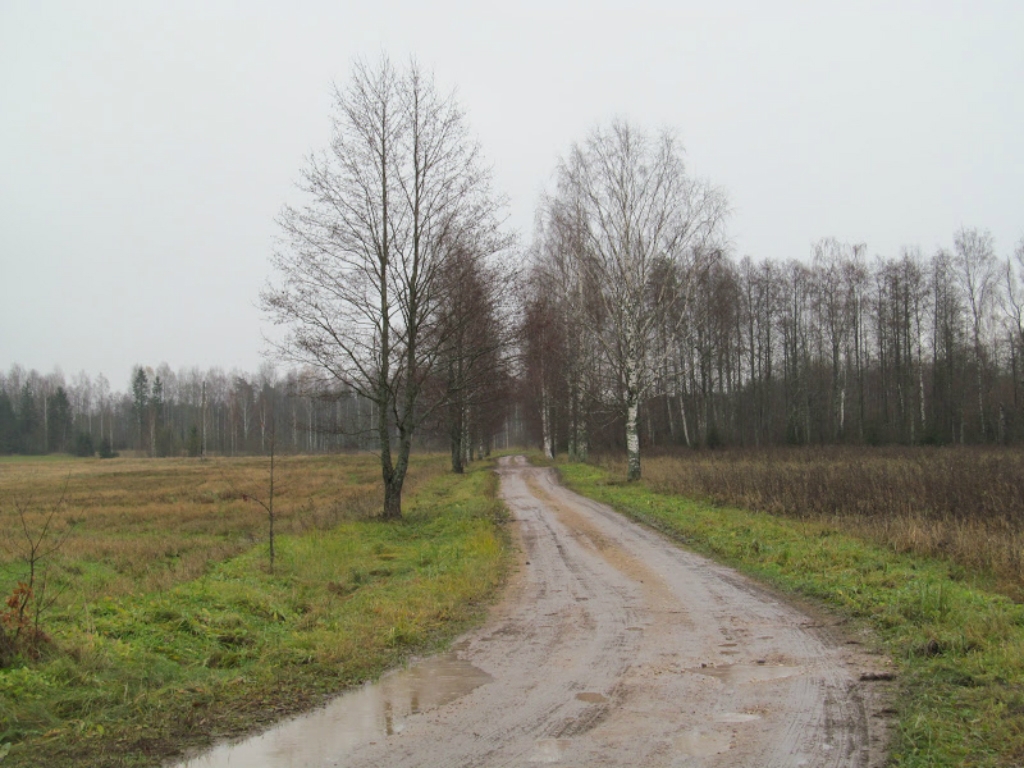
[(961, 504)]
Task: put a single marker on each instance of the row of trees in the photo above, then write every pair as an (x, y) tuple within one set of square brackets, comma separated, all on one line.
[(34, 419), (640, 327), (840, 349), (161, 412), (620, 249)]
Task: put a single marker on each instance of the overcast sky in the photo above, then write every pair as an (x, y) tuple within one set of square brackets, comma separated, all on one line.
[(146, 147)]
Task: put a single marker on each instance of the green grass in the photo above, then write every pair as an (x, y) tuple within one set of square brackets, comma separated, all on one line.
[(46, 458), (135, 678), (958, 648)]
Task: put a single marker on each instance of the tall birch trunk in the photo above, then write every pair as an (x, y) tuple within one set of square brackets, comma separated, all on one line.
[(632, 420), (545, 423)]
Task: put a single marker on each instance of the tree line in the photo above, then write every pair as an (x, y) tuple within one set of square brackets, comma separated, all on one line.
[(191, 412), (842, 348), (910, 349)]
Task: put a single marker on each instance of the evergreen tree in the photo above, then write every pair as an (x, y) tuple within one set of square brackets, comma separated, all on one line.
[(106, 450), (29, 424), (59, 421), (195, 443), (8, 425)]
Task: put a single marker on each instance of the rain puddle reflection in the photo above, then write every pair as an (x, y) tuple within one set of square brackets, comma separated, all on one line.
[(374, 711)]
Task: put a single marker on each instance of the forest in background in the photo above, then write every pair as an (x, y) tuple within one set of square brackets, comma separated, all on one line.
[(840, 349), (188, 412), (843, 349)]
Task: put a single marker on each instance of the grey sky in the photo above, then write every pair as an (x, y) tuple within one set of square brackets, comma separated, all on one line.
[(146, 147)]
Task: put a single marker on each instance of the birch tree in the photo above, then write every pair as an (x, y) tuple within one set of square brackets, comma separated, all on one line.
[(977, 275), (1012, 300), (561, 279), (646, 217), (400, 189)]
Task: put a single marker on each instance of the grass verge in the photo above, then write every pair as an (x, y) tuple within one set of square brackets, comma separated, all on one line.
[(958, 648), (136, 678)]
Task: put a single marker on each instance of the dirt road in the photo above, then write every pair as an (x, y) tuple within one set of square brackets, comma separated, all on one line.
[(615, 648)]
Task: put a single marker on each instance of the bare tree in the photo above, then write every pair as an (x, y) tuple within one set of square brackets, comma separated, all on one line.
[(362, 266), (557, 324), (646, 219), (474, 364), (949, 335), (268, 505), (21, 622), (977, 274), (1012, 301)]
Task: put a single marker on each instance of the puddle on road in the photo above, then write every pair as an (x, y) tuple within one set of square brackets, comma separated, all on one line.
[(374, 711), (549, 750), (696, 743), (592, 698), (744, 673)]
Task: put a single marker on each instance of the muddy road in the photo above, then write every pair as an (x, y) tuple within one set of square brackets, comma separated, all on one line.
[(612, 647)]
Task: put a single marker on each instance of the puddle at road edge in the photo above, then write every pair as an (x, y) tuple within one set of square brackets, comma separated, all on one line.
[(374, 711)]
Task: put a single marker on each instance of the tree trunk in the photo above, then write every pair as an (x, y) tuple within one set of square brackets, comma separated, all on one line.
[(455, 424), (393, 498), (456, 448), (682, 418), (582, 438), (632, 436), (632, 420), (545, 422)]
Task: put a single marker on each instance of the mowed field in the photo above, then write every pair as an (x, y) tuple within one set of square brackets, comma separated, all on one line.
[(164, 625)]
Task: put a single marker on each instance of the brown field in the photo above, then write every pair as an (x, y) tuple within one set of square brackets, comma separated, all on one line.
[(961, 504), (141, 525)]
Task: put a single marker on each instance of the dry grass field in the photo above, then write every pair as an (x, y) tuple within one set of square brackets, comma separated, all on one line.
[(961, 504), (144, 525)]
